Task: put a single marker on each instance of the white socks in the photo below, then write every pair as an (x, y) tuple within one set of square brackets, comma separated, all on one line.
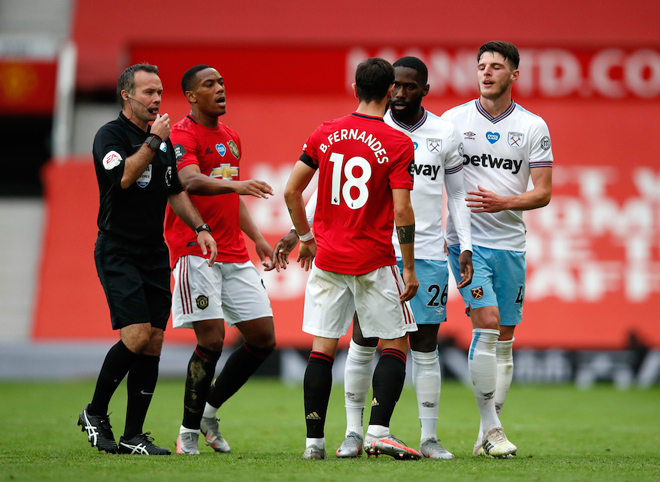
[(319, 442), (504, 355), (504, 372), (378, 431), (427, 380), (210, 411), (357, 381), (482, 363)]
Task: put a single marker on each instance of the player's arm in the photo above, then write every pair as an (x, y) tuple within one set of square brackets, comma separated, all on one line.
[(404, 217), (186, 210), (460, 213), (300, 178), (197, 183), (249, 227), (288, 242), (485, 201)]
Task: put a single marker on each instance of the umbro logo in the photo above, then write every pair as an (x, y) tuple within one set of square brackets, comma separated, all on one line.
[(469, 135), (313, 416), (428, 404)]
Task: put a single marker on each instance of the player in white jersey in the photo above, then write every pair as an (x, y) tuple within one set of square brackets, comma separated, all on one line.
[(504, 146), (438, 161)]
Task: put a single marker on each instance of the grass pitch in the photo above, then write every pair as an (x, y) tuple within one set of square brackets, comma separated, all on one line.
[(562, 433)]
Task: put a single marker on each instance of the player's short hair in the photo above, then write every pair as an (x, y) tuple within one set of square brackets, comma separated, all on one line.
[(415, 64), (126, 80), (373, 78), (188, 79), (507, 50)]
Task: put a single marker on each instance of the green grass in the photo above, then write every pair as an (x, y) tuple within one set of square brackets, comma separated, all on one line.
[(562, 433)]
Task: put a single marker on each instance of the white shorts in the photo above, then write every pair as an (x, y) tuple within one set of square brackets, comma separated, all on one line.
[(234, 292), (332, 298)]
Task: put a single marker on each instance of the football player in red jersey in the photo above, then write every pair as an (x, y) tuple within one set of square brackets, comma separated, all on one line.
[(208, 161), (364, 188)]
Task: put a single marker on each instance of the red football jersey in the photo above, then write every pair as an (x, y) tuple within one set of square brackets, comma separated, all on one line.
[(360, 160), (217, 152)]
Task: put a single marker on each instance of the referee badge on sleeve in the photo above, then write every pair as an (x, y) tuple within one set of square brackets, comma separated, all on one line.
[(111, 160)]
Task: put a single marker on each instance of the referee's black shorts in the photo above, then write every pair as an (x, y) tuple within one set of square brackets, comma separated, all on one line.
[(136, 281)]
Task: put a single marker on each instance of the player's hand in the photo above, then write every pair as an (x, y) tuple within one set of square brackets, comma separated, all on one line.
[(161, 126), (254, 188), (484, 201), (282, 250), (264, 251), (410, 279), (467, 270), (306, 254), (207, 243)]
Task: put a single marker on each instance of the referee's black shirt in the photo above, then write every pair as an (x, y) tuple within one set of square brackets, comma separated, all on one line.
[(135, 214)]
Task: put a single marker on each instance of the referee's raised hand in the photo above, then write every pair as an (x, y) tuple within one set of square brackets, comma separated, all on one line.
[(161, 126)]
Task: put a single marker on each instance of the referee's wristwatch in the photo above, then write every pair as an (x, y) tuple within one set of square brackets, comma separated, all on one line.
[(153, 142), (203, 227)]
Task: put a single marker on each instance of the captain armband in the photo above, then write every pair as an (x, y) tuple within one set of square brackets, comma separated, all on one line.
[(406, 234)]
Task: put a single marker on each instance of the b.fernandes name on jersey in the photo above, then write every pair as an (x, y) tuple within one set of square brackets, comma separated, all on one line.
[(357, 135), (486, 160)]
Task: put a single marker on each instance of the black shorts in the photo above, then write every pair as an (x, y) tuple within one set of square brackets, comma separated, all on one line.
[(136, 281)]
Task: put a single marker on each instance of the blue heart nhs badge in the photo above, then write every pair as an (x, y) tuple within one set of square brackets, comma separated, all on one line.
[(221, 149), (493, 137)]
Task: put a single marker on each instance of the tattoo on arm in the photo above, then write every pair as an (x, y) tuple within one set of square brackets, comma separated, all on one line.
[(406, 234)]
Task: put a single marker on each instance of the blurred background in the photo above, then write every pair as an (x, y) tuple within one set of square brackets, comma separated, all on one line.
[(591, 69)]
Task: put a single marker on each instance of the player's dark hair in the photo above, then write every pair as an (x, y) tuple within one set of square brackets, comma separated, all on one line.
[(506, 49), (415, 64), (126, 80), (188, 79), (373, 78)]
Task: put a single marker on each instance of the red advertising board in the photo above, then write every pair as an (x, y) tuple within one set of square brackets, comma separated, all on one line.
[(555, 73)]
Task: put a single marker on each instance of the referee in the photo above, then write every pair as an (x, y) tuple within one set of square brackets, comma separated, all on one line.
[(137, 176)]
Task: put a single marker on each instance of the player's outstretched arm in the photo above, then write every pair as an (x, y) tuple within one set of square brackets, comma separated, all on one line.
[(200, 184)]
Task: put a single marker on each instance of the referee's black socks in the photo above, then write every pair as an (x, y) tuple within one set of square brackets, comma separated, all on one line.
[(140, 385), (115, 367)]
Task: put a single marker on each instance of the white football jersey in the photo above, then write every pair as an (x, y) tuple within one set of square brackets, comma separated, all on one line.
[(437, 152), (498, 154)]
